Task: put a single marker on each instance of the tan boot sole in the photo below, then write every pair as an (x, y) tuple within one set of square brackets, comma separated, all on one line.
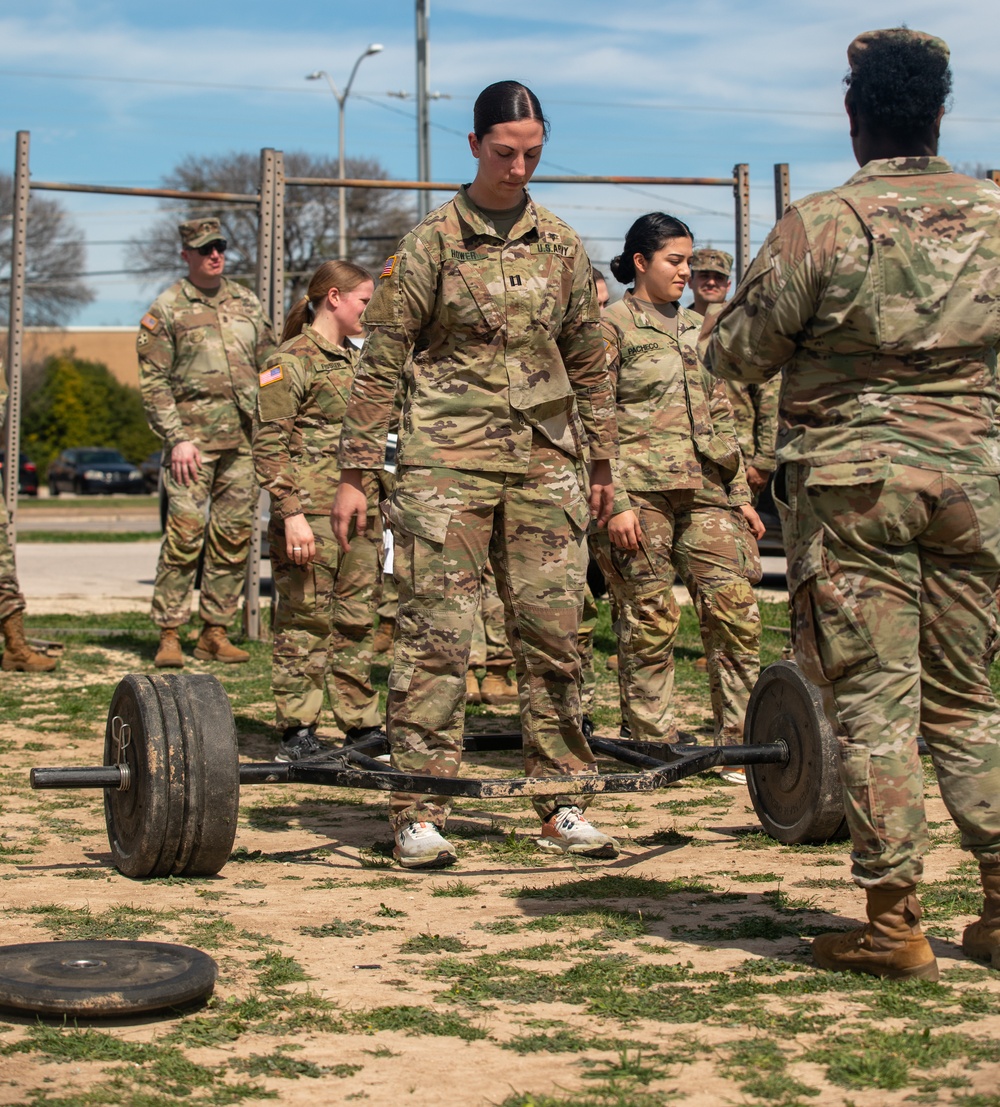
[(206, 655)]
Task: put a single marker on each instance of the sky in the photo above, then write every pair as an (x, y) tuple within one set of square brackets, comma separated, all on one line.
[(119, 93)]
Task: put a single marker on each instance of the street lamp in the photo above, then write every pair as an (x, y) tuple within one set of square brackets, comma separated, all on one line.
[(341, 98)]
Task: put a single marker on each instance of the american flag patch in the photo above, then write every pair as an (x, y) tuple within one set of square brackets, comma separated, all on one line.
[(390, 264), (150, 322), (269, 376)]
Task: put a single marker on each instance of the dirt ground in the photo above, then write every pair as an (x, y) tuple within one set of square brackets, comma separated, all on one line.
[(679, 972)]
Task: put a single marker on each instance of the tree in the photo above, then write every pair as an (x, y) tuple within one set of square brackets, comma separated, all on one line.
[(80, 403), (55, 258), (376, 218)]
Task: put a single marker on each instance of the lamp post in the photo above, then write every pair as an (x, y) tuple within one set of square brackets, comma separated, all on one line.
[(341, 98)]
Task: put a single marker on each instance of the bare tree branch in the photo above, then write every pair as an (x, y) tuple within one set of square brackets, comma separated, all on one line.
[(55, 258)]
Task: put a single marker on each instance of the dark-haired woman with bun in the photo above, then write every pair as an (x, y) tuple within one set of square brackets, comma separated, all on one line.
[(488, 312), (323, 625), (681, 497)]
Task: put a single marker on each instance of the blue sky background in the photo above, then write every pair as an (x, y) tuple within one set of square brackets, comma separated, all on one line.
[(118, 93)]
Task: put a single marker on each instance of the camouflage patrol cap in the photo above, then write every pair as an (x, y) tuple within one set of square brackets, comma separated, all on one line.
[(903, 34), (712, 261), (199, 232)]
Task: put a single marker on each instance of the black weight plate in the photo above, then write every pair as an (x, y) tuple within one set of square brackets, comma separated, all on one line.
[(799, 801), (102, 979), (144, 821), (212, 773)]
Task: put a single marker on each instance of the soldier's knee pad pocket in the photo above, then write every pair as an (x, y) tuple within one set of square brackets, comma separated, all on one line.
[(400, 677), (420, 531), (830, 634), (861, 794)]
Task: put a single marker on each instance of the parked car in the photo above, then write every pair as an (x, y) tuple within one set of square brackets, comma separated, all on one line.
[(151, 471), (27, 475), (94, 470)]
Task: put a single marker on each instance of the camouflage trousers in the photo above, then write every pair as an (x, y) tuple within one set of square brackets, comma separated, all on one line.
[(11, 597), (707, 544), (323, 627), (531, 525), (227, 486), (891, 585), (489, 636), (585, 639)]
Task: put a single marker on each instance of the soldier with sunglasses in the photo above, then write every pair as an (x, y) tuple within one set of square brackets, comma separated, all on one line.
[(201, 346)]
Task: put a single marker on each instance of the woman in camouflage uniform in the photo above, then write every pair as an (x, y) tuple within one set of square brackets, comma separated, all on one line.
[(681, 497), (487, 311), (323, 625)]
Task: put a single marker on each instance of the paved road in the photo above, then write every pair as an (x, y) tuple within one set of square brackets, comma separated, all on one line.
[(89, 513)]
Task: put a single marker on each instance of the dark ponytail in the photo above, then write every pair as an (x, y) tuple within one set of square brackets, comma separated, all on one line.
[(506, 102), (647, 234)]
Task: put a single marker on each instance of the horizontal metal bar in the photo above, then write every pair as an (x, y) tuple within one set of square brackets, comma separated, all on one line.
[(167, 193), (98, 776), (539, 178)]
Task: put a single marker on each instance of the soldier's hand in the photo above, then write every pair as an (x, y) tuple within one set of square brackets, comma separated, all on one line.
[(602, 491), (185, 461), (350, 503), (756, 478), (300, 542), (757, 528), (625, 532)]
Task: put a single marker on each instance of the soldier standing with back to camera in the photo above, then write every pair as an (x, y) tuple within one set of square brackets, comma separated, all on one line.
[(879, 299), (200, 348)]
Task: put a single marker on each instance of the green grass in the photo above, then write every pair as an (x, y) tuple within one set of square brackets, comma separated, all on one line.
[(71, 536)]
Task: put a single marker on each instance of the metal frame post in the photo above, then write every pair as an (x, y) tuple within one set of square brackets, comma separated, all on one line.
[(15, 330), (741, 192), (994, 176), (782, 189), (270, 287), (423, 112)]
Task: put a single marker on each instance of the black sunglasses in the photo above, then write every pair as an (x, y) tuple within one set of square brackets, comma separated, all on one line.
[(209, 248)]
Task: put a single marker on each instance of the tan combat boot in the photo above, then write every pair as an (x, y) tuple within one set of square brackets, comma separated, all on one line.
[(18, 656), (891, 945), (168, 655), (213, 645), (384, 635), (472, 694), (982, 938), (498, 688)]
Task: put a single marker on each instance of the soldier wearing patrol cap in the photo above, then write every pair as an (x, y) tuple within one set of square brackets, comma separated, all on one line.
[(878, 299), (711, 277), (200, 347)]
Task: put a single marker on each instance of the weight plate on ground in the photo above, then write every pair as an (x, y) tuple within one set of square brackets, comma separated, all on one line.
[(800, 800), (106, 978), (176, 735)]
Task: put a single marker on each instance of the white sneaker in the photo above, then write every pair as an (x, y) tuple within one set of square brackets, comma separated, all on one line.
[(567, 831), (422, 846), (735, 774)]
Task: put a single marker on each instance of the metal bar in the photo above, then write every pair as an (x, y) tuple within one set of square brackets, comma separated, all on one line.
[(994, 176), (782, 189), (741, 190), (423, 112), (451, 186), (166, 193), (100, 776), (629, 757), (278, 245), (15, 332)]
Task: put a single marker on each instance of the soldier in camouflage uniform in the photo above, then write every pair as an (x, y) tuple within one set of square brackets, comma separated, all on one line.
[(755, 406), (493, 297), (879, 299), (490, 650), (324, 624), (681, 500), (17, 655), (200, 346)]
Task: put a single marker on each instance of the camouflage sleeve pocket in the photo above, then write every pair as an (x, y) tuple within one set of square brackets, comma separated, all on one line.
[(386, 305), (829, 630)]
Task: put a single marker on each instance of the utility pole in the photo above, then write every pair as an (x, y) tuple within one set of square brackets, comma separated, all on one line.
[(423, 115)]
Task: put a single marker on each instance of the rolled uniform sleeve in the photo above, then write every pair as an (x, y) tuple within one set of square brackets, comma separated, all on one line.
[(582, 346), (765, 431), (155, 345), (756, 332), (278, 403), (403, 302), (725, 427), (611, 338)]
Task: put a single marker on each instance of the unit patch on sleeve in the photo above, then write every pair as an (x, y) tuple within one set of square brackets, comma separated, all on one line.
[(269, 376)]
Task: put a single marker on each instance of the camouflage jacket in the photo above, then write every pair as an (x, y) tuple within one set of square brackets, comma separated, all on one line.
[(880, 300), (303, 395), (503, 335), (755, 416), (673, 419), (198, 363)]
